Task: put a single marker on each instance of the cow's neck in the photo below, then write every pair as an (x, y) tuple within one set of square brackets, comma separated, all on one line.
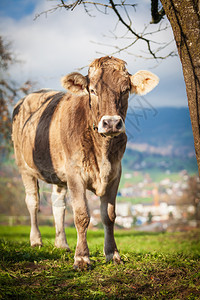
[(108, 154), (110, 147)]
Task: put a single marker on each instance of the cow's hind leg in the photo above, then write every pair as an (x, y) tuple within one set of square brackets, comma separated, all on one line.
[(32, 202), (58, 205)]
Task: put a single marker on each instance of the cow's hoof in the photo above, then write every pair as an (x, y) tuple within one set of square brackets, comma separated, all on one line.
[(62, 245), (82, 264), (115, 257), (117, 261), (36, 244), (35, 239)]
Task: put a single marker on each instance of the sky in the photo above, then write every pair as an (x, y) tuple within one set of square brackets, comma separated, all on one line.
[(60, 42)]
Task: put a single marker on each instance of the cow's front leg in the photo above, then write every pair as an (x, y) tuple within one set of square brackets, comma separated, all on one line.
[(81, 220), (58, 206), (108, 218)]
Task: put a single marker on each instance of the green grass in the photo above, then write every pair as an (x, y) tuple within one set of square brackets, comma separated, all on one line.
[(156, 266)]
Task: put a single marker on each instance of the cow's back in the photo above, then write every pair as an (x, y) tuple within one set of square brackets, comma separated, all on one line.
[(32, 117)]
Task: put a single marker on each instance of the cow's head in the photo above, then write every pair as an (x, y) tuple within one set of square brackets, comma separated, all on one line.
[(108, 85)]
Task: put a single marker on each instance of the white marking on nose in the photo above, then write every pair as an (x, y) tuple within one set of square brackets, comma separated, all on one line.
[(111, 122)]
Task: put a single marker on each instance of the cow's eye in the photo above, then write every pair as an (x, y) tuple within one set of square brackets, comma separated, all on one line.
[(92, 91), (125, 91)]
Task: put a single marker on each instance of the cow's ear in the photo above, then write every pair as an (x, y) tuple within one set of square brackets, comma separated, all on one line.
[(75, 82), (143, 82)]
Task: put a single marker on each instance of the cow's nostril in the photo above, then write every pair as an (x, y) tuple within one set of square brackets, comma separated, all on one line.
[(106, 123), (119, 124)]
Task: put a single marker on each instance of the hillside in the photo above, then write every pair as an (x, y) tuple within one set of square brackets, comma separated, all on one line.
[(160, 139), (147, 161), (161, 127)]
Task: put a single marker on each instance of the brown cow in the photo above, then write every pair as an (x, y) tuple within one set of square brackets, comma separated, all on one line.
[(76, 141)]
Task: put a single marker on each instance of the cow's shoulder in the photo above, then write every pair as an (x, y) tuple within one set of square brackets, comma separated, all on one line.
[(17, 108), (36, 100)]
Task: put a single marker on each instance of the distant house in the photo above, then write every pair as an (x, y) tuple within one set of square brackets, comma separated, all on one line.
[(123, 209), (125, 222), (127, 192)]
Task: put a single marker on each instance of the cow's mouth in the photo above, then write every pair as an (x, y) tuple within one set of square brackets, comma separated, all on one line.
[(111, 134)]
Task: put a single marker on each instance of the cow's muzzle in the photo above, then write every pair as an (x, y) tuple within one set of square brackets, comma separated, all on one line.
[(111, 125)]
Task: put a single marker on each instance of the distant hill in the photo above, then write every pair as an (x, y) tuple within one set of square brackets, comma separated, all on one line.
[(151, 162), (164, 128), (159, 139)]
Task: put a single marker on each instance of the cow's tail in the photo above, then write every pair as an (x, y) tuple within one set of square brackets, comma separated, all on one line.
[(38, 192)]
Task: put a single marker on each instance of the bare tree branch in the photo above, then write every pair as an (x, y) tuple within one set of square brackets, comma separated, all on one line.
[(122, 12)]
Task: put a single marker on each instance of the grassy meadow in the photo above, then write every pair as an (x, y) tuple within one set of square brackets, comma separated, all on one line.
[(156, 266)]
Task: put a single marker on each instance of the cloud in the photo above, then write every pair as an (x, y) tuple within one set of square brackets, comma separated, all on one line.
[(59, 43)]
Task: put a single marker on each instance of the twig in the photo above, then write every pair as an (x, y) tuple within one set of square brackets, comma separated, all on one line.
[(123, 17)]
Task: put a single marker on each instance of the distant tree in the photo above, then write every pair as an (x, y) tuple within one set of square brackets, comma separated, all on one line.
[(191, 196), (134, 220), (184, 17), (171, 215), (149, 218), (9, 91)]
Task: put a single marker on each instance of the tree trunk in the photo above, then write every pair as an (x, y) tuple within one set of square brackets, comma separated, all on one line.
[(184, 17)]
